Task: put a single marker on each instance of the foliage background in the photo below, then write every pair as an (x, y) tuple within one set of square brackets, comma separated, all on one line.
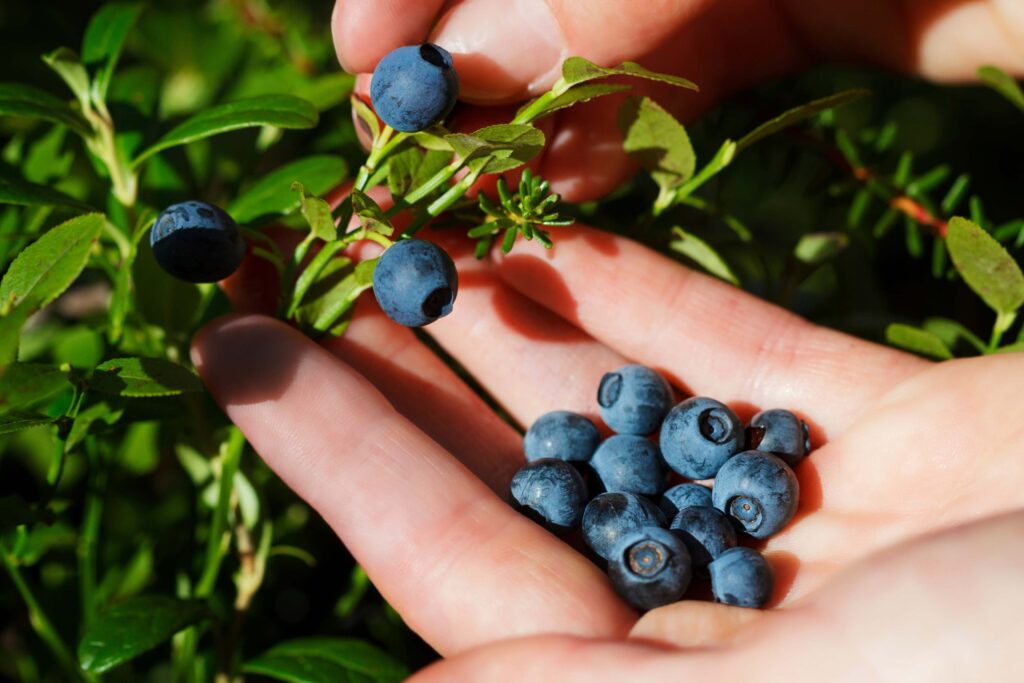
[(187, 54)]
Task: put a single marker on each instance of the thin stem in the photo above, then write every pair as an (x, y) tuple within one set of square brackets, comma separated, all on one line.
[(219, 536), (41, 624), (537, 107), (424, 190), (383, 146), (88, 537)]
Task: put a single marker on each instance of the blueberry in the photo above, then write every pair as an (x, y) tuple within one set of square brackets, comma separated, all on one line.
[(634, 399), (196, 242), (699, 435), (414, 87), (780, 433), (684, 496), (706, 532), (741, 576), (550, 492), (759, 491), (650, 568), (561, 434), (609, 516), (629, 463), (415, 282)]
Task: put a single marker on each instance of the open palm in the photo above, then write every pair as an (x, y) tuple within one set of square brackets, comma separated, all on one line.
[(410, 467)]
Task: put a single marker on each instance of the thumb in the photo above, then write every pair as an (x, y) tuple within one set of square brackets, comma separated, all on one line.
[(506, 50)]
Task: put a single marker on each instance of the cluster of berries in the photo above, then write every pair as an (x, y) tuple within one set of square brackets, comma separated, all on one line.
[(653, 549), (415, 282)]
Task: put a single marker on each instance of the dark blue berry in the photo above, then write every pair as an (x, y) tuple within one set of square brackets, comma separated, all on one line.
[(699, 435), (684, 496), (629, 463), (634, 399), (650, 567), (780, 433), (561, 434), (609, 516), (759, 491), (415, 283), (414, 87), (742, 577), (706, 532), (551, 492), (197, 242)]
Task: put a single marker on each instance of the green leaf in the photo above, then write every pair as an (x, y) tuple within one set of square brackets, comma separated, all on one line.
[(657, 141), (335, 292), (816, 248), (327, 660), (499, 148), (87, 417), (917, 340), (370, 215), (104, 39), (317, 213), (144, 377), (1015, 347), (283, 111), (169, 303), (985, 266), (28, 385), (15, 422), (16, 191), (273, 195), (579, 94), (69, 67), (366, 116), (703, 254), (412, 167), (577, 70), (49, 265), (18, 99), (135, 626), (10, 331), (951, 332), (798, 114), (1001, 82)]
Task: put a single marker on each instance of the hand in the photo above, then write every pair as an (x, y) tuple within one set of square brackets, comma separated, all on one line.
[(410, 467), (509, 51)]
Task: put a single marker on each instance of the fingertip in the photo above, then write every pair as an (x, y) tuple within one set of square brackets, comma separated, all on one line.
[(366, 30)]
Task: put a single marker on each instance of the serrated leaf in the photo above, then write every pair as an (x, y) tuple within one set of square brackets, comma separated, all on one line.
[(282, 111), (70, 68), (273, 195), (985, 266), (15, 422), (410, 168), (578, 70), (10, 331), (657, 141), (143, 377), (917, 340), (576, 95), (317, 213), (817, 248), (499, 148), (135, 626), (18, 99), (28, 385), (371, 216), (798, 114), (327, 660), (16, 191), (1001, 82), (703, 254), (104, 39), (49, 265)]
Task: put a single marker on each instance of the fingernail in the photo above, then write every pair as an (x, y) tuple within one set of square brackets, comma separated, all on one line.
[(503, 50)]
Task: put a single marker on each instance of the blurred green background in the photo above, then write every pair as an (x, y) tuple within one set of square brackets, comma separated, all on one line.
[(185, 55)]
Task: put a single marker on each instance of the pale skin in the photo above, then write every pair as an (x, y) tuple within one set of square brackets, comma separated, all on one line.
[(904, 562)]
